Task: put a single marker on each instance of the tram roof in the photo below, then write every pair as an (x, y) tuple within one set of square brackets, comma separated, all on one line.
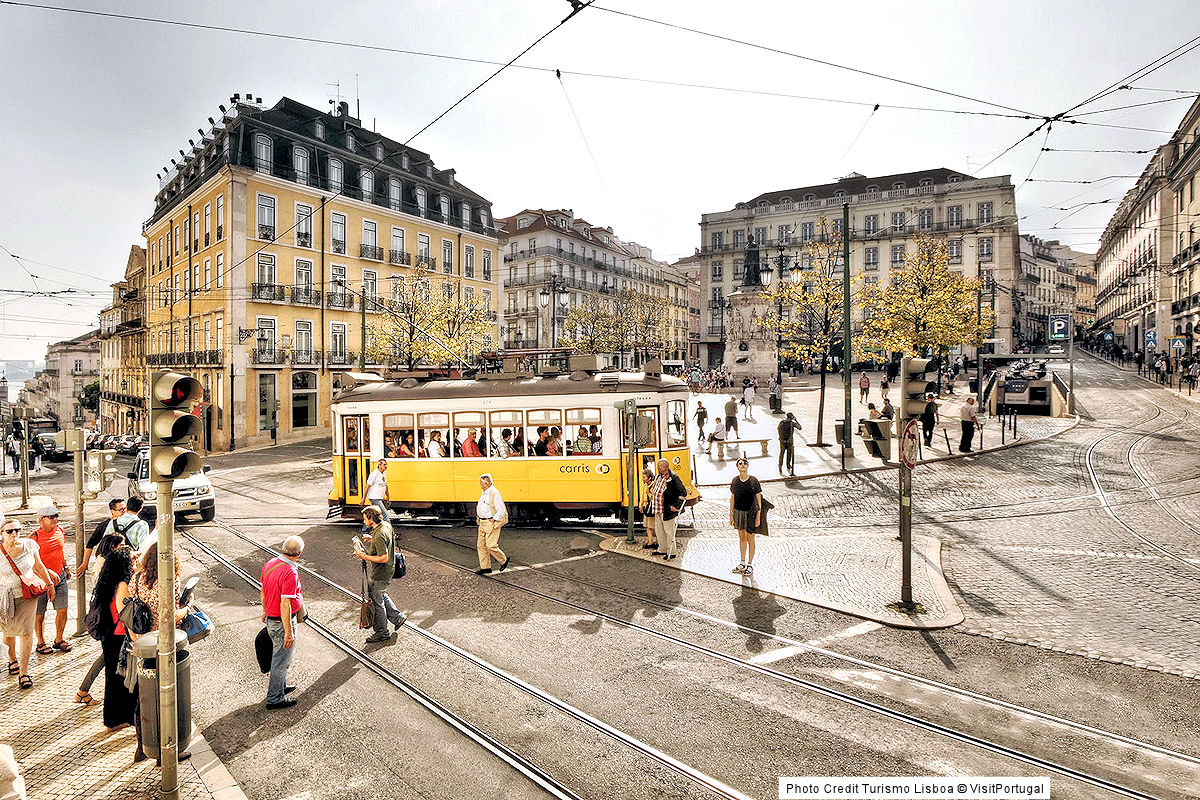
[(516, 386)]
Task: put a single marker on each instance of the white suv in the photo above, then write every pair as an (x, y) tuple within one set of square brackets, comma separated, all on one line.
[(193, 494)]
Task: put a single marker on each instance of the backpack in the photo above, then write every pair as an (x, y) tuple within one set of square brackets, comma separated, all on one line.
[(93, 620), (125, 531)]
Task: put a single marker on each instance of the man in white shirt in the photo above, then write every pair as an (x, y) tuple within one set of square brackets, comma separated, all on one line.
[(717, 437), (491, 515), (377, 489), (970, 421)]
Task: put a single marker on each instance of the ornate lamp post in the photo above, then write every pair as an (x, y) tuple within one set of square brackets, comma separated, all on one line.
[(556, 285), (783, 262)]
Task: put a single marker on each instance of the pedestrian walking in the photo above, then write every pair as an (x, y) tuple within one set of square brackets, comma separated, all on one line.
[(745, 506), (14, 452), (648, 516), (23, 568), (748, 400), (929, 417), (787, 446), (108, 543), (130, 524), (377, 550), (667, 495), (377, 488), (701, 417), (864, 387), (116, 507), (777, 397), (282, 599), (51, 539), (717, 437), (970, 421), (110, 596), (37, 451), (491, 514), (884, 387), (731, 420)]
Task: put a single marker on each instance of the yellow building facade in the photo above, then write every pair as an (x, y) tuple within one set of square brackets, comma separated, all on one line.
[(277, 246)]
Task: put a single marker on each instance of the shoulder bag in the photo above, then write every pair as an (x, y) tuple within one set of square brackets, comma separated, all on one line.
[(28, 590), (136, 615)]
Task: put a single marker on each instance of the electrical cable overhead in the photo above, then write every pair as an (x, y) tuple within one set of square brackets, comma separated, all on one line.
[(1187, 96), (583, 136), (858, 135), (1033, 166), (1088, 150), (1065, 180), (810, 59)]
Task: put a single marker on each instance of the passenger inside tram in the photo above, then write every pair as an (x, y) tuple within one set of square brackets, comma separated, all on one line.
[(505, 449), (583, 443), (470, 447), (435, 448), (407, 448), (518, 443), (554, 447), (542, 446), (595, 437)]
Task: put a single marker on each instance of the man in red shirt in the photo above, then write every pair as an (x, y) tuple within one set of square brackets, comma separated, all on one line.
[(51, 538), (281, 601), (470, 448)]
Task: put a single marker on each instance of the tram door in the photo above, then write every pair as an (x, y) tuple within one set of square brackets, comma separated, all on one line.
[(648, 446), (356, 465)]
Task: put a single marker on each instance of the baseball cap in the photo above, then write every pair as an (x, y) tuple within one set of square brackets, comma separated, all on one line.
[(48, 511)]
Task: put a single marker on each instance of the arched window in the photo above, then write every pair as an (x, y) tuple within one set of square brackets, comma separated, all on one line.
[(955, 178), (872, 188), (839, 195), (262, 153), (466, 215), (394, 194), (350, 141), (336, 177), (366, 182), (422, 200), (300, 163), (444, 207), (898, 186), (808, 198), (927, 181), (319, 129)]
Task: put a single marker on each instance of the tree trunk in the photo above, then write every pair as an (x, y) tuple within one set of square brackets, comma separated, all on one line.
[(821, 402)]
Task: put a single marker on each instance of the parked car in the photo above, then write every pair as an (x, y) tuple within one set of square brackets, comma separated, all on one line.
[(127, 445), (52, 452), (1056, 350), (193, 494)]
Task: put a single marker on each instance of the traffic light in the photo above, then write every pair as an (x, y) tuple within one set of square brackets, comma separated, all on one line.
[(19, 430), (913, 388), (877, 437), (100, 470), (172, 425)]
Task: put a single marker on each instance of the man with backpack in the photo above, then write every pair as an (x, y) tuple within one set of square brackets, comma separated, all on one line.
[(377, 550), (131, 525)]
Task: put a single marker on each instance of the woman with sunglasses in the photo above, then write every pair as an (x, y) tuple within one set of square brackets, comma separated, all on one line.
[(745, 513), (21, 565)]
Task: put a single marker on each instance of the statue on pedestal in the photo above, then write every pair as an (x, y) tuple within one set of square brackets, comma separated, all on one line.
[(751, 274)]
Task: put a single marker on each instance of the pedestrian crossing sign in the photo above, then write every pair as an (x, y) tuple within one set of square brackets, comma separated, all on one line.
[(1177, 343)]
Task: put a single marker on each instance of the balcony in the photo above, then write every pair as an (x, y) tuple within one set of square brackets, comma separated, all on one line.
[(341, 357), (129, 326), (340, 299), (400, 257), (267, 356), (370, 251), (373, 304), (426, 261), (266, 232), (306, 296), (339, 246), (304, 357), (271, 292), (304, 240)]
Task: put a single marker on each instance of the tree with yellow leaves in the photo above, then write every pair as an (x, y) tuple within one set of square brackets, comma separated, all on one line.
[(589, 327), (812, 304), (423, 326), (925, 308)]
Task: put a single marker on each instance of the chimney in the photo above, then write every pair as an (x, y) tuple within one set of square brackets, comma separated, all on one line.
[(343, 109)]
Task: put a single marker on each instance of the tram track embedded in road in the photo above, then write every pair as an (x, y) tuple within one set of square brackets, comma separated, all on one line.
[(696, 776), (802, 683)]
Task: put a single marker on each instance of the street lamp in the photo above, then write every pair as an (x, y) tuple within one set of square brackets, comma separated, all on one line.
[(765, 271), (556, 285)]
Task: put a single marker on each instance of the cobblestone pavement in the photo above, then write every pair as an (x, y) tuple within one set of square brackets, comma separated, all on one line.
[(1031, 551), (65, 752)]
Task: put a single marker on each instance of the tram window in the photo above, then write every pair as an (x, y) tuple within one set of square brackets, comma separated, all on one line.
[(583, 431), (433, 433), (651, 441), (399, 436), (470, 434), (512, 445), (676, 423), (353, 445), (544, 432)]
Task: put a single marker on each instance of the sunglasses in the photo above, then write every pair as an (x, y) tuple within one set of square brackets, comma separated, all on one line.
[(12, 530), (52, 516)]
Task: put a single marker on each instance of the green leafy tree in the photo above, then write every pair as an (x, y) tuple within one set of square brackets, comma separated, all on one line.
[(89, 396)]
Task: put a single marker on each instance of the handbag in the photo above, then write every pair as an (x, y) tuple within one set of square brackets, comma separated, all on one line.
[(136, 615), (264, 648), (28, 591), (401, 567), (196, 625)]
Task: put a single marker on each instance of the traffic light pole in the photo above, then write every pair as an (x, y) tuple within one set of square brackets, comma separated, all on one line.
[(80, 536), (25, 470), (168, 724), (906, 598)]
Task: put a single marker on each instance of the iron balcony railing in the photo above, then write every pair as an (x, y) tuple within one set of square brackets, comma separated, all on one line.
[(400, 257), (370, 251), (267, 355), (266, 232), (341, 357), (267, 291), (340, 299), (306, 296), (305, 356), (303, 239), (339, 246)]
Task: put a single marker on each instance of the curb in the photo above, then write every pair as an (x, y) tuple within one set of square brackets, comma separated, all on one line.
[(212, 771)]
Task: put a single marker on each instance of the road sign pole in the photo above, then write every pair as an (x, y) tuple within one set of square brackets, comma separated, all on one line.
[(906, 600), (1071, 368), (80, 585)]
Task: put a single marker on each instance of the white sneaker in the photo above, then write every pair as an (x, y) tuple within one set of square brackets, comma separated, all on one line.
[(739, 568), (748, 570)]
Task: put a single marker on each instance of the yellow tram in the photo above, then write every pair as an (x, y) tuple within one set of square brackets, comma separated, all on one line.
[(438, 435)]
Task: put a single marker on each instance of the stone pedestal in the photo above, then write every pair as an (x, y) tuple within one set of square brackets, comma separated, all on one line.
[(749, 347)]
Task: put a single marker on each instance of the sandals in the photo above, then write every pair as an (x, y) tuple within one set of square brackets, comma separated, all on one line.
[(13, 668), (26, 682), (64, 646), (44, 649), (85, 698)]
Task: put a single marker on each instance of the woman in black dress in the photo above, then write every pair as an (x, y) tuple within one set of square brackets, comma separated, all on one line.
[(745, 514), (112, 590)]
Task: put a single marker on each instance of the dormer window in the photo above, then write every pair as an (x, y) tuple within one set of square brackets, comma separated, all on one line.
[(429, 170), (366, 181), (955, 178), (336, 177), (839, 195), (483, 217), (444, 207), (466, 215), (379, 151), (319, 129), (872, 189), (524, 222), (350, 141), (404, 161), (927, 181), (422, 200), (262, 153), (808, 198), (898, 186)]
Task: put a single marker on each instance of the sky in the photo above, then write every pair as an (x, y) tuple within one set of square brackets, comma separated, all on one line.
[(96, 106)]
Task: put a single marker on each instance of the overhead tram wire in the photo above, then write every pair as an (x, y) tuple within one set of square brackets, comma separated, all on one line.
[(579, 125)]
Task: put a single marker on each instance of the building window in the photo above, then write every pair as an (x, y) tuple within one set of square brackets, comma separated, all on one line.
[(394, 193), (220, 216), (738, 268), (898, 186), (370, 287), (954, 249), (985, 213), (300, 163), (925, 219), (266, 217), (837, 227), (807, 231), (207, 274), (304, 390), (871, 258), (266, 401), (447, 256), (487, 265), (785, 235), (336, 175), (718, 241), (319, 129), (220, 270), (739, 239), (265, 273), (370, 237), (897, 220), (466, 215), (303, 225), (366, 182), (207, 224), (423, 245), (897, 254), (422, 200), (871, 223), (337, 285), (718, 271), (262, 153), (985, 248), (397, 244), (350, 141), (954, 216), (760, 236), (468, 261), (444, 207), (337, 228)]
